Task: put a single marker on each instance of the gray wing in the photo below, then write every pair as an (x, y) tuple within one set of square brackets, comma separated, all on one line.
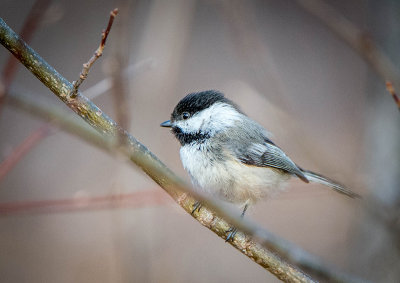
[(267, 154), (253, 147)]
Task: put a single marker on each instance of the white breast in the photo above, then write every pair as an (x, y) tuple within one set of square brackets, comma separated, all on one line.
[(230, 180), (206, 173)]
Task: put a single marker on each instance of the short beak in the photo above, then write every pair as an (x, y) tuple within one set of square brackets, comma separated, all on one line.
[(166, 124)]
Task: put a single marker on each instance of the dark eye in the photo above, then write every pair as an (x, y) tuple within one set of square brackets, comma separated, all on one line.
[(185, 115)]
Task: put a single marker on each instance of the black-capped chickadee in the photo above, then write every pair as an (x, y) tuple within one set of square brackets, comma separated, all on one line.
[(229, 155)]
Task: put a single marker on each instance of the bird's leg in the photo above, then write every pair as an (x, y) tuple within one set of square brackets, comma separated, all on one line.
[(196, 206), (232, 231), (244, 210)]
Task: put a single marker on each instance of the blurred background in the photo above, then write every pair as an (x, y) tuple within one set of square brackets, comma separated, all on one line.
[(69, 212)]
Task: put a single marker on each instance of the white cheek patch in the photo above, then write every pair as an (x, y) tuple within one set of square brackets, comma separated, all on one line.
[(211, 120), (191, 125)]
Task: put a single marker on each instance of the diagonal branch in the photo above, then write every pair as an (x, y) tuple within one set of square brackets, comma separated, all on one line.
[(173, 185)]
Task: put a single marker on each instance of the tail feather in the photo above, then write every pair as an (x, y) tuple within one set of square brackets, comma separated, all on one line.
[(317, 178)]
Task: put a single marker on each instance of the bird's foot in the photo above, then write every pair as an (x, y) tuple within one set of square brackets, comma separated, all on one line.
[(232, 232), (196, 206)]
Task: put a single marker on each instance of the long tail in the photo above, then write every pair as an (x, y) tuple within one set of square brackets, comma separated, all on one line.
[(317, 178)]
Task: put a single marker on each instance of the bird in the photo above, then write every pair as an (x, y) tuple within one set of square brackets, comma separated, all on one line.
[(230, 156)]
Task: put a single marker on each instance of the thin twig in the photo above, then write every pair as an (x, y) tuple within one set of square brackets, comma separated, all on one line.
[(390, 89), (86, 67), (173, 185), (21, 150)]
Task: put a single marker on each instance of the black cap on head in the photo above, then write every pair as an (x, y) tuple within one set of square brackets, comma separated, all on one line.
[(197, 101)]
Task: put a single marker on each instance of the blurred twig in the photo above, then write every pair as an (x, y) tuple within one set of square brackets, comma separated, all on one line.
[(390, 89), (31, 23), (356, 38), (18, 152), (120, 58), (62, 120), (255, 54), (86, 67), (173, 185), (130, 72), (84, 203)]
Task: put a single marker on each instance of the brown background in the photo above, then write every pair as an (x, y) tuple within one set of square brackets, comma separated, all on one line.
[(285, 69)]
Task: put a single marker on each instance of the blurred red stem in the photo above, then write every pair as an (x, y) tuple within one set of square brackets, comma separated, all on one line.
[(31, 23), (32, 140), (136, 199), (390, 88)]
